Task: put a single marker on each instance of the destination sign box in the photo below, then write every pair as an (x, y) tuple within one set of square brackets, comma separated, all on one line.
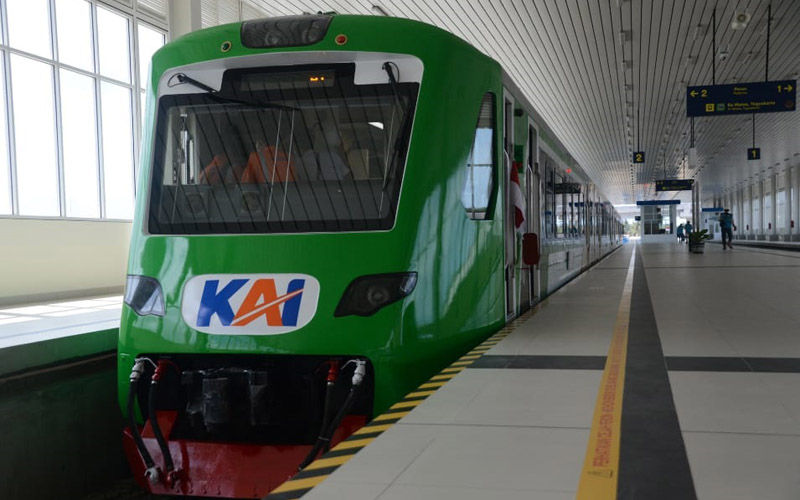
[(741, 98), (674, 185), (753, 153)]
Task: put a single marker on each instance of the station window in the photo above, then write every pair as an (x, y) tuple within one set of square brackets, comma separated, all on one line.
[(478, 186), (70, 72)]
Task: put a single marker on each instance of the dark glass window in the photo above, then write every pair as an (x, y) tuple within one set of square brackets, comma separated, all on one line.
[(281, 150), (477, 193), (549, 195)]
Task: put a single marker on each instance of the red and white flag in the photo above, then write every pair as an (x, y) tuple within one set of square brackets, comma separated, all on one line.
[(517, 200)]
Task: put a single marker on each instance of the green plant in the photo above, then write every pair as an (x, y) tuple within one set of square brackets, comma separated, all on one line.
[(698, 237)]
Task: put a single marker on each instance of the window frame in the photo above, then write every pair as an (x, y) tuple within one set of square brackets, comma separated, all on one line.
[(471, 211), (133, 17)]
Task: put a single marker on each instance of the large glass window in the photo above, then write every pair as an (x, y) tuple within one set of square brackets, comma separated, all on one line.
[(768, 222), (77, 98), (5, 167), (480, 164), (780, 212), (281, 150), (150, 41), (29, 26), (112, 35), (74, 23), (79, 133), (35, 128), (756, 214), (117, 150)]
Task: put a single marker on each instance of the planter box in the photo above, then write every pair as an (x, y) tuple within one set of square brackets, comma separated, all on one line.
[(697, 247)]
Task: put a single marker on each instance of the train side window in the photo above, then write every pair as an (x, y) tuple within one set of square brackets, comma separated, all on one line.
[(550, 197), (478, 186)]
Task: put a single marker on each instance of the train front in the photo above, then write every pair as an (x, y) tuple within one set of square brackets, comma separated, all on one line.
[(268, 277)]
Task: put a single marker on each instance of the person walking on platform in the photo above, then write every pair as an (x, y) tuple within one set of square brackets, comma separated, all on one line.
[(688, 228), (681, 235), (727, 226)]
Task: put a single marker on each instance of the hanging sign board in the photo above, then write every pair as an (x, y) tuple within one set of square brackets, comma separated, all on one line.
[(567, 188), (753, 153), (638, 157), (741, 98), (674, 185), (711, 209), (658, 202)]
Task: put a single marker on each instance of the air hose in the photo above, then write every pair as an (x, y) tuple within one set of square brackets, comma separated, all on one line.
[(333, 374), (358, 377), (151, 472), (151, 410)]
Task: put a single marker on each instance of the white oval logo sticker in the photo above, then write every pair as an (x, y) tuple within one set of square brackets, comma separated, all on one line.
[(249, 304)]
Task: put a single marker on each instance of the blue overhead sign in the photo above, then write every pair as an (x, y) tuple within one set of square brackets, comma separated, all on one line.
[(712, 209), (674, 185), (741, 98)]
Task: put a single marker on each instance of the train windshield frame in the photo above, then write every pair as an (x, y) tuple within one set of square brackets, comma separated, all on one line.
[(286, 149)]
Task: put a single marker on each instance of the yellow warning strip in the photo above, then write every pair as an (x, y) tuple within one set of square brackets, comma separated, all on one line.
[(600, 467), (355, 443), (463, 363), (406, 404), (322, 463), (455, 369), (299, 484), (369, 429), (431, 385), (390, 416), (420, 394)]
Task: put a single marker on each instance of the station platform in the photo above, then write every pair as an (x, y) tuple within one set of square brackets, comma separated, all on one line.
[(37, 335), (658, 374)]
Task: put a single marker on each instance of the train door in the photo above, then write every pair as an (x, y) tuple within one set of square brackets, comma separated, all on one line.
[(510, 233), (533, 197)]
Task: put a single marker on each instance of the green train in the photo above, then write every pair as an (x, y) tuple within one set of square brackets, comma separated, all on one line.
[(331, 208)]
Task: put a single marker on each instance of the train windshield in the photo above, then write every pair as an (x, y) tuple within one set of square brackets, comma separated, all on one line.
[(281, 150)]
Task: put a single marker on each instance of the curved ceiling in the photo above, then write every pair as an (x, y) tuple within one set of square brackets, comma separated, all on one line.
[(610, 78)]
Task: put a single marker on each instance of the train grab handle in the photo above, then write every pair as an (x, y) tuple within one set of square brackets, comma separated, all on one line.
[(530, 249)]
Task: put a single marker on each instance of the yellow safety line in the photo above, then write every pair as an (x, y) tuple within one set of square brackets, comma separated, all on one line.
[(299, 484), (356, 443), (389, 416), (463, 363), (419, 394), (369, 429), (455, 369), (600, 467), (446, 376), (322, 463), (431, 385), (406, 404)]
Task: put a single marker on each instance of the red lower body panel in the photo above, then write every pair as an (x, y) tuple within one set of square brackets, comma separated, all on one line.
[(230, 470)]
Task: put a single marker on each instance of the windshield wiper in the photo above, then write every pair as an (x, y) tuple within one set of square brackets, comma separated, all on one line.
[(182, 78), (215, 94), (399, 143)]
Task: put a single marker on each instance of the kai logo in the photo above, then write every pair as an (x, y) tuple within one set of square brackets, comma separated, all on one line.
[(255, 304)]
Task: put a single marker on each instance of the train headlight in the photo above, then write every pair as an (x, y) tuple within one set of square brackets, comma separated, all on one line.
[(368, 294), (143, 294)]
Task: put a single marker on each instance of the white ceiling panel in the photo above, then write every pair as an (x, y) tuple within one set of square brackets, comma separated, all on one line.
[(610, 78)]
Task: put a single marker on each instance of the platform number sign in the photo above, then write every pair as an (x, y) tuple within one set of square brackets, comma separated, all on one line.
[(753, 153), (638, 157)]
